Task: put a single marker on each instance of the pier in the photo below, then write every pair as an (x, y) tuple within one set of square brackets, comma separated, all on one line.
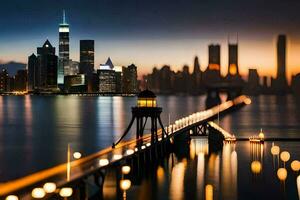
[(70, 179)]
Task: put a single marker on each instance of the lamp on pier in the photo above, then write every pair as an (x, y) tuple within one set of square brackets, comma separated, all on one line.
[(145, 109)]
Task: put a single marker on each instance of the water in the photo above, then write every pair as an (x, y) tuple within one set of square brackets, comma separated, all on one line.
[(35, 131)]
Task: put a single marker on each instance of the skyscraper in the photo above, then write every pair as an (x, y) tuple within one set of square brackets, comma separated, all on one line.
[(64, 51), (130, 84), (87, 52), (32, 71), (42, 69), (281, 57), (214, 57), (279, 84), (233, 68), (47, 61)]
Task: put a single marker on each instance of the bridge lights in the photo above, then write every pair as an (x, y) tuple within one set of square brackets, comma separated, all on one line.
[(261, 135), (49, 187), (38, 193), (126, 169), (77, 155), (117, 157), (66, 192), (103, 162), (11, 197), (129, 152)]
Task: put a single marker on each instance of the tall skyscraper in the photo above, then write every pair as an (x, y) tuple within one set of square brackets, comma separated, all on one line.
[(32, 72), (64, 50), (281, 57), (214, 57), (87, 52), (233, 68), (279, 84)]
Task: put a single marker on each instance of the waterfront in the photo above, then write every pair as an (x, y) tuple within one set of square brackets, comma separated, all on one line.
[(35, 130)]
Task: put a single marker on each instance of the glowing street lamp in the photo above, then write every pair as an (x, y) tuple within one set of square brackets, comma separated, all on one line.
[(295, 165), (285, 156), (256, 167), (275, 150), (282, 174)]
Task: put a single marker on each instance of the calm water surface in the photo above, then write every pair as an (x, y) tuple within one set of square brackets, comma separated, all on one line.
[(35, 131)]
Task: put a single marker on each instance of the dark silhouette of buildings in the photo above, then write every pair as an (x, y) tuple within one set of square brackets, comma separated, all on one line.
[(20, 80), (295, 84), (233, 69), (214, 55), (64, 51), (4, 81), (279, 84), (86, 66), (253, 84), (129, 79), (212, 73), (43, 69), (87, 51)]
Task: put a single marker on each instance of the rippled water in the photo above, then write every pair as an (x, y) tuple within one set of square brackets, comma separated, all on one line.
[(35, 130)]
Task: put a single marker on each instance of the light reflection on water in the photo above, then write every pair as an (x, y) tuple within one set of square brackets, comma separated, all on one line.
[(228, 171), (35, 130)]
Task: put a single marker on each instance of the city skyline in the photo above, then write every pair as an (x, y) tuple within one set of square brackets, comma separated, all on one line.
[(179, 42)]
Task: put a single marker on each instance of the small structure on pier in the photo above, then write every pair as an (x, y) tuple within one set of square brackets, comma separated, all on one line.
[(145, 109)]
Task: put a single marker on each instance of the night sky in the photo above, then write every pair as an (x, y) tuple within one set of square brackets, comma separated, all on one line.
[(152, 33)]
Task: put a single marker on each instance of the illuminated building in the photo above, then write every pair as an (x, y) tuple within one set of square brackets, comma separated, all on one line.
[(107, 79), (74, 67), (212, 73), (233, 68), (129, 79), (118, 72), (75, 83), (4, 80), (64, 51), (214, 57)]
